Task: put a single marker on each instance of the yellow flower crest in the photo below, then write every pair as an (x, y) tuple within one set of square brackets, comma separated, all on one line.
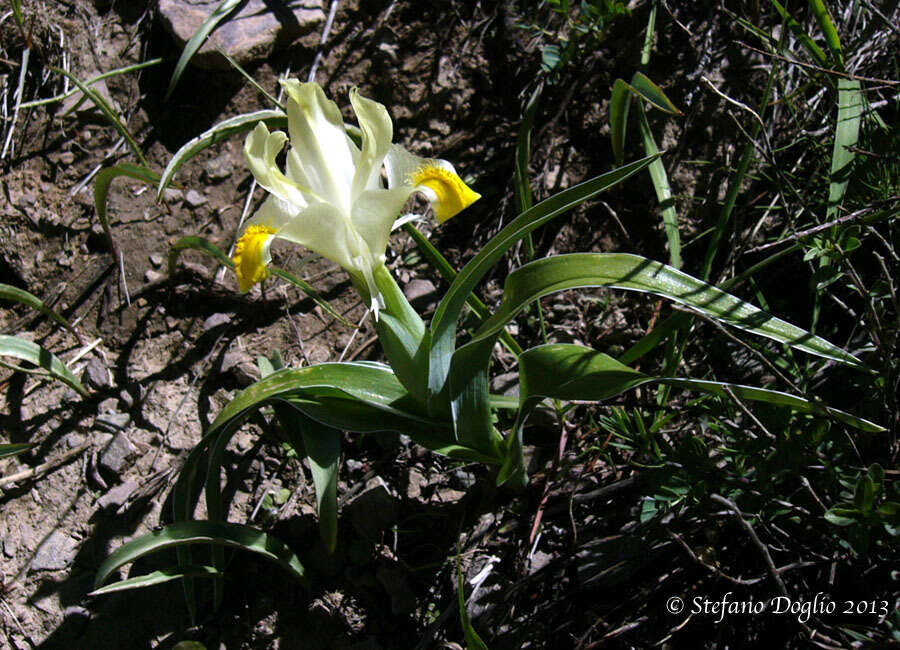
[(251, 256), (453, 195)]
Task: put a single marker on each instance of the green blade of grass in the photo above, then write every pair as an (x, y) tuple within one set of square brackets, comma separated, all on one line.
[(108, 112), (11, 449), (15, 294), (817, 53), (223, 11), (18, 348), (157, 578), (826, 24), (89, 82), (846, 136), (663, 191)]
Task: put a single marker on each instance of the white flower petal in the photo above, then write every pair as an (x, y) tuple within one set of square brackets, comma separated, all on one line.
[(373, 217), (320, 140), (261, 148), (321, 228), (377, 133)]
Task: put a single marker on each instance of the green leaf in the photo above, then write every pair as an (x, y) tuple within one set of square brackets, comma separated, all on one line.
[(444, 323), (196, 42), (11, 449), (202, 532), (864, 496), (13, 346), (649, 91), (842, 516), (221, 131), (15, 294), (846, 135), (636, 273), (618, 118), (820, 11), (523, 151), (101, 192), (157, 578), (573, 372), (108, 112), (663, 191)]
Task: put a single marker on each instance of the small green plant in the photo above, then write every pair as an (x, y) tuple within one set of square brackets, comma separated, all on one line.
[(435, 386)]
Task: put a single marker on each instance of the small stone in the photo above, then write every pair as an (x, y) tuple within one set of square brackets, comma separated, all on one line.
[(112, 422), (107, 406), (420, 293), (219, 168), (373, 510), (171, 195), (116, 455), (56, 553), (463, 479), (118, 495), (66, 158), (216, 321), (194, 199), (153, 276), (253, 33), (95, 374), (245, 373), (416, 482), (126, 398), (446, 495), (156, 259), (73, 440), (353, 466)]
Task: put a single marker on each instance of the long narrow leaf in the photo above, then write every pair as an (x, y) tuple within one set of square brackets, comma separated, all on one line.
[(618, 118), (18, 348), (158, 578), (663, 191), (820, 11), (846, 135), (811, 46), (202, 532), (15, 294), (636, 273), (108, 112), (11, 449)]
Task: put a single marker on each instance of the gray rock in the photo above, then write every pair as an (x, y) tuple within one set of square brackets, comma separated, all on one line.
[(194, 199), (117, 453), (506, 384), (57, 552), (95, 374), (373, 510), (215, 321), (253, 33), (153, 276), (219, 168), (118, 495), (156, 259), (171, 195), (196, 268), (112, 422), (420, 293)]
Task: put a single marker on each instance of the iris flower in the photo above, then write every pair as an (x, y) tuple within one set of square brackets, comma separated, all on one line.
[(331, 198)]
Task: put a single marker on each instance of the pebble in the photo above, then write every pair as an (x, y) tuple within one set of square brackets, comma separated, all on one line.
[(115, 457), (215, 321), (219, 168), (112, 422), (118, 495), (56, 553), (153, 276), (156, 259), (171, 195), (420, 293), (194, 199), (96, 374)]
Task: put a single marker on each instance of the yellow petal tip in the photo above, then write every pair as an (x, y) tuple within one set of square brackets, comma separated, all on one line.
[(251, 256), (452, 194)]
